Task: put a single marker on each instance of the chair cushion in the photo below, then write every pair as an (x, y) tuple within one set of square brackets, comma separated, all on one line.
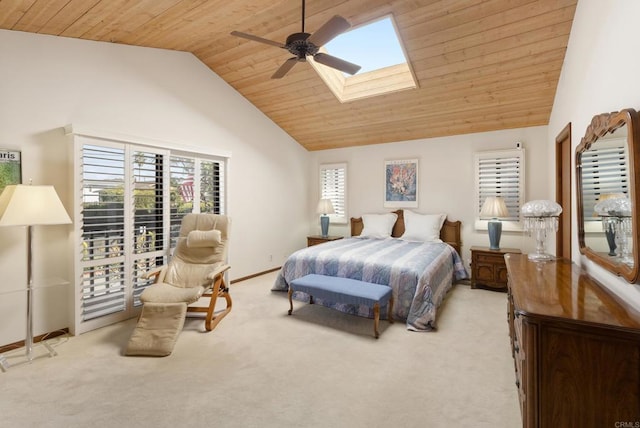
[(157, 329), (204, 238), (166, 293), (186, 275)]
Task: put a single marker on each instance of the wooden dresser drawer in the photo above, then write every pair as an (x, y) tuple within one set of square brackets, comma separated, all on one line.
[(519, 356), (490, 258)]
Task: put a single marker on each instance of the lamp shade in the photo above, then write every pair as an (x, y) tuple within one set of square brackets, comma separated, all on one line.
[(494, 207), (27, 205), (541, 208), (617, 205), (325, 207)]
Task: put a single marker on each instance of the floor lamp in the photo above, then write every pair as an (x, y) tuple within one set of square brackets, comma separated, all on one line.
[(27, 205)]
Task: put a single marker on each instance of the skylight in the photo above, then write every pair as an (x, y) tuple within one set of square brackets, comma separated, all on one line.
[(377, 48), (372, 46)]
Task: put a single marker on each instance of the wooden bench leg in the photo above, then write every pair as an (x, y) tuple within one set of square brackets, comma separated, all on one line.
[(290, 300), (376, 319)]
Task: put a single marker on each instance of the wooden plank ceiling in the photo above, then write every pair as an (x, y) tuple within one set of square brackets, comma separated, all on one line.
[(481, 65)]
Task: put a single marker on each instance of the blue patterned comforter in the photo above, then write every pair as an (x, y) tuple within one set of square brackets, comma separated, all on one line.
[(420, 274)]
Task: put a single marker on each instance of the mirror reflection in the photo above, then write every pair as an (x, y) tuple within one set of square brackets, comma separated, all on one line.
[(605, 185), (607, 230)]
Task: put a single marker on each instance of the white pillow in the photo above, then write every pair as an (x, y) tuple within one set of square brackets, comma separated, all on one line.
[(422, 227), (378, 225)]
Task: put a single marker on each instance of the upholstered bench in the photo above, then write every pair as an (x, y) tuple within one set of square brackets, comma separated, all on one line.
[(344, 290)]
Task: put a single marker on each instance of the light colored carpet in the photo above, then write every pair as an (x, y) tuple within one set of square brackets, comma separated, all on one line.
[(262, 368)]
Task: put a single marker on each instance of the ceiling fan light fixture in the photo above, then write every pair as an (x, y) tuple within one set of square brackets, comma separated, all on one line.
[(304, 44)]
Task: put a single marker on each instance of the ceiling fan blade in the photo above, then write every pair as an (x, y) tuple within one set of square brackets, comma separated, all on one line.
[(329, 30), (284, 68), (337, 63), (256, 39)]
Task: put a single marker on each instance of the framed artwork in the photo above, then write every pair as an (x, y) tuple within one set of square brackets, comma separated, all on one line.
[(401, 183), (10, 168)]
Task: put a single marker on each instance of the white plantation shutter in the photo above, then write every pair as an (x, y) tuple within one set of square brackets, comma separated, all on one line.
[(604, 171), (501, 173), (333, 185), (148, 247), (103, 230), (196, 186), (211, 186), (182, 178)]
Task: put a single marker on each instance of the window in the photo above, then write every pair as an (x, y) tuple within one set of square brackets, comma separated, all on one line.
[(131, 201), (377, 48), (195, 183), (333, 185), (604, 172), (501, 173)]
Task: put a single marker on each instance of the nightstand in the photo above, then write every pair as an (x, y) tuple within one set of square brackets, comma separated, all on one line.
[(318, 239), (488, 268)]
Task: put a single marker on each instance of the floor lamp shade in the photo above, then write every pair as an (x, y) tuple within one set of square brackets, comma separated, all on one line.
[(324, 207), (493, 208), (26, 205)]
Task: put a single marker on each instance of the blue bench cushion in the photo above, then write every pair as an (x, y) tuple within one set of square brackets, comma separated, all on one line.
[(343, 290)]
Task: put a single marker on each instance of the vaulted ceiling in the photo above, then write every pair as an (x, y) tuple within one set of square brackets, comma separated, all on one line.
[(481, 65)]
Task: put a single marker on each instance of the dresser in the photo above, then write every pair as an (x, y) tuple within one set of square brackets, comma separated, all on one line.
[(576, 347), (488, 268)]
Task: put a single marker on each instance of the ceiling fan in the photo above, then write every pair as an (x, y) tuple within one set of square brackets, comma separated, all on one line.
[(304, 44)]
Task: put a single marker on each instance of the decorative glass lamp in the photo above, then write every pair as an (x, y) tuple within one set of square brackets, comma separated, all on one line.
[(609, 222), (616, 221), (541, 218), (325, 207), (493, 208)]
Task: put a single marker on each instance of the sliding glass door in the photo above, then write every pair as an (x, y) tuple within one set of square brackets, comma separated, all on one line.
[(129, 203)]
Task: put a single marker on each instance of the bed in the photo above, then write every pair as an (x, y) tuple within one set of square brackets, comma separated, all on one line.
[(419, 273)]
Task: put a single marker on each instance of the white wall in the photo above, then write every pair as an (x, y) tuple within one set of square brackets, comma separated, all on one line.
[(600, 74), (446, 178), (48, 82)]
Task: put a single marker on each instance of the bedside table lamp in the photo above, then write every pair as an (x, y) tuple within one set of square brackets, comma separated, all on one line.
[(27, 205), (325, 207), (541, 217), (493, 208)]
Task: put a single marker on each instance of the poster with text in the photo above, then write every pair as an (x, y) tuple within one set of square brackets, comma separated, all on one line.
[(10, 168)]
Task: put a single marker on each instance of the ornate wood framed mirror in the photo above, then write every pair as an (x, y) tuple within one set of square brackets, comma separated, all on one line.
[(607, 181)]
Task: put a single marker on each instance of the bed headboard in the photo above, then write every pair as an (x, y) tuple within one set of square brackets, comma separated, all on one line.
[(450, 232)]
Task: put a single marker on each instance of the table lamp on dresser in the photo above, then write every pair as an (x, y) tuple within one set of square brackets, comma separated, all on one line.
[(541, 219)]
